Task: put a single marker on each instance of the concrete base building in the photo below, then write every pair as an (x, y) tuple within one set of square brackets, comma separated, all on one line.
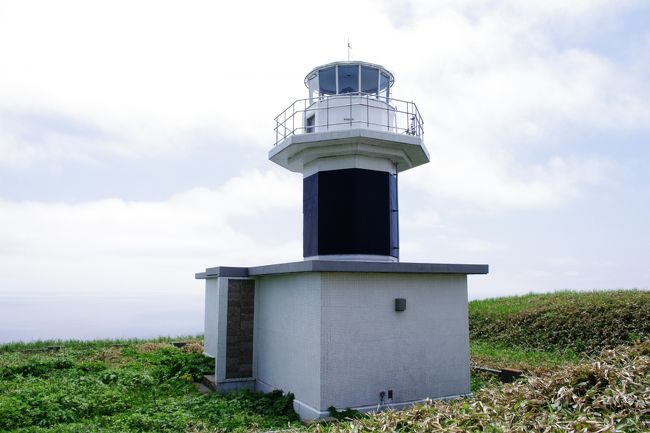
[(340, 333), (350, 326)]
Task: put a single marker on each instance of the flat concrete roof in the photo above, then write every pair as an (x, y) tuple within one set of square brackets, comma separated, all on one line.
[(342, 266)]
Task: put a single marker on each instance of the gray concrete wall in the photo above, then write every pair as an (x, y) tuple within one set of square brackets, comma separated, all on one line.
[(368, 347), (211, 319), (335, 339), (216, 323), (287, 335)]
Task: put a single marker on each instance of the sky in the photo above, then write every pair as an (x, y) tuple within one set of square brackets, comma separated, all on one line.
[(134, 138)]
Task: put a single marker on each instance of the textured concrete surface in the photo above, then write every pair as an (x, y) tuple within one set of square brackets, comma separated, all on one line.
[(368, 347), (335, 339), (287, 334), (211, 318)]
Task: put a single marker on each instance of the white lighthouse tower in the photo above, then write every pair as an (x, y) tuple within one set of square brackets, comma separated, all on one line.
[(350, 326), (350, 139)]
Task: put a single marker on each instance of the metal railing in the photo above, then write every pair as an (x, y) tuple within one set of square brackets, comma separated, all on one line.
[(353, 110)]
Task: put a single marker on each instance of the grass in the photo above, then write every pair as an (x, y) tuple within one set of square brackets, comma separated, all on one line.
[(539, 333), (493, 355), (124, 386), (128, 386), (89, 345), (580, 322)]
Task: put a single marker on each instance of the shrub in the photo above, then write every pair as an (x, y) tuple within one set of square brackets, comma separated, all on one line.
[(35, 366)]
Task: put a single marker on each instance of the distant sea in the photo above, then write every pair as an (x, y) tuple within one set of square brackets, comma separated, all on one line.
[(29, 317)]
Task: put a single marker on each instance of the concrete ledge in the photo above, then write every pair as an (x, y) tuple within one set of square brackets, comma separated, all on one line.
[(306, 412), (343, 266), (406, 151), (229, 385), (406, 404)]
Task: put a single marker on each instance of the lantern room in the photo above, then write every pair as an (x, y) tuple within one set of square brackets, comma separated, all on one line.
[(343, 78)]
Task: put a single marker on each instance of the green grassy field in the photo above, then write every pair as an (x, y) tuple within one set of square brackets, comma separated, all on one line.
[(124, 386), (148, 386), (581, 322)]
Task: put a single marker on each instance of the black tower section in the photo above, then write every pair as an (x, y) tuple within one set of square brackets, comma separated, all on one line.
[(350, 211)]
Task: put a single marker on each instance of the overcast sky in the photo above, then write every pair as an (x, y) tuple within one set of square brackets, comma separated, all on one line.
[(134, 138)]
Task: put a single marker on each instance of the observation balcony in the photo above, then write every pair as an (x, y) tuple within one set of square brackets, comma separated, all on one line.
[(347, 111), (349, 103)]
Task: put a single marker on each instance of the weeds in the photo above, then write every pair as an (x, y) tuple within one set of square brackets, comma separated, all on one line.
[(125, 387)]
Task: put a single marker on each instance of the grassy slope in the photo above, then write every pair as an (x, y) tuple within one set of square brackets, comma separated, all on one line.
[(579, 322)]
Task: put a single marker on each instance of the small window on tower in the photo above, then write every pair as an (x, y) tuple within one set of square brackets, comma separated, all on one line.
[(309, 124)]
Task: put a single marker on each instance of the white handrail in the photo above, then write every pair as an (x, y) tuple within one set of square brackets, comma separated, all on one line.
[(402, 117)]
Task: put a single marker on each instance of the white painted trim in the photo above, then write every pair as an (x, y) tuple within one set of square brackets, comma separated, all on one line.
[(355, 258), (405, 404), (348, 161), (305, 411), (296, 151)]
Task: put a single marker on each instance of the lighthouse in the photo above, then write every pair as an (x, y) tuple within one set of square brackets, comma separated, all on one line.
[(350, 139), (349, 326)]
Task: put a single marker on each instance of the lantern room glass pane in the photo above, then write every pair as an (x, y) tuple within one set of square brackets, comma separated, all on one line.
[(349, 79), (383, 81), (384, 86), (313, 86), (327, 81), (369, 79)]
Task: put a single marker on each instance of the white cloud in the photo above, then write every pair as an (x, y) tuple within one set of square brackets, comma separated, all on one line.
[(151, 72), (479, 246), (147, 246), (421, 219), (504, 87), (491, 78), (486, 181), (499, 89)]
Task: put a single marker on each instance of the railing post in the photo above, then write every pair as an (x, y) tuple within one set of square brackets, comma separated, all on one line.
[(327, 115), (367, 113), (350, 104), (408, 118), (387, 115)]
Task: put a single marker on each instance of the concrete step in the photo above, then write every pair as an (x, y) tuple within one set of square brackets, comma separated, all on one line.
[(209, 382), (202, 388)]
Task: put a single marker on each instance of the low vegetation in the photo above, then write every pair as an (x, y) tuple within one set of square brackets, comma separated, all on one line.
[(586, 357), (579, 322), (124, 387)]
